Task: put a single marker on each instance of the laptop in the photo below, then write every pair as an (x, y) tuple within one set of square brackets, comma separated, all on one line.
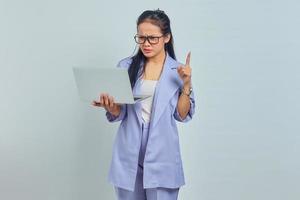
[(91, 82)]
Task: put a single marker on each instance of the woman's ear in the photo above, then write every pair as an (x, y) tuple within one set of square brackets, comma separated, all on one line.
[(167, 38)]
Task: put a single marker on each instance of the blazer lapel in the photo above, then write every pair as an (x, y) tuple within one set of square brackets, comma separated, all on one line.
[(166, 87), (137, 106)]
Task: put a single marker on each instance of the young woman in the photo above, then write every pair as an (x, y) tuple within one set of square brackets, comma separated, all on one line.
[(146, 161)]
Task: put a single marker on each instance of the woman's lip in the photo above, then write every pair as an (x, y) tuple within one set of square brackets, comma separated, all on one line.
[(147, 50)]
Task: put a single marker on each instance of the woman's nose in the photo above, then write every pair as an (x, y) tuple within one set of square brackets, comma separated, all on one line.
[(147, 43)]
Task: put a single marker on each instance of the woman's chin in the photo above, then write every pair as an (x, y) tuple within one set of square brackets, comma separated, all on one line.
[(148, 55)]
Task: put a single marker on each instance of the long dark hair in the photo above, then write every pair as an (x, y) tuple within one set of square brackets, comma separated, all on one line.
[(159, 18)]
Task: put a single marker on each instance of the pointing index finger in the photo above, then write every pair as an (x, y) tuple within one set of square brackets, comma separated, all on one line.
[(188, 58)]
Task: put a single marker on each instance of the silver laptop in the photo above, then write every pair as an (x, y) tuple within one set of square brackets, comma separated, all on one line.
[(91, 82)]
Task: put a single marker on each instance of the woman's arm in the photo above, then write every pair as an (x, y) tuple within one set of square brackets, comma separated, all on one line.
[(184, 104)]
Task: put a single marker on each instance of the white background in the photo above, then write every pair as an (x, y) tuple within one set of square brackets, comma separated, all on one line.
[(243, 143)]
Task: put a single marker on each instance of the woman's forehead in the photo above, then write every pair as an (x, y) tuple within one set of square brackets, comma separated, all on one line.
[(148, 28)]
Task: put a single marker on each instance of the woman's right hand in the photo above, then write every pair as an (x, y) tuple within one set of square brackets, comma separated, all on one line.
[(107, 102)]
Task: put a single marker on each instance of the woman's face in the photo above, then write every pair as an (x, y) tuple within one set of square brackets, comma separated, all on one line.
[(156, 45)]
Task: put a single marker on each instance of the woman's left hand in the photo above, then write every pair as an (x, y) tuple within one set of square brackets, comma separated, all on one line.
[(185, 71)]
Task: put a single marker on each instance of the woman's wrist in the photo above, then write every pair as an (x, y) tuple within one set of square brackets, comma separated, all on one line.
[(187, 85), (186, 89), (116, 112)]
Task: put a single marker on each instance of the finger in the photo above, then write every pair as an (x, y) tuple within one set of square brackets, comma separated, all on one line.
[(105, 97), (101, 98), (188, 59), (111, 103), (94, 103), (179, 69), (182, 73), (98, 104), (113, 100)]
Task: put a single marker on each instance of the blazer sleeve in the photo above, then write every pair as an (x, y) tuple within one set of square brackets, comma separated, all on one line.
[(124, 63), (191, 112)]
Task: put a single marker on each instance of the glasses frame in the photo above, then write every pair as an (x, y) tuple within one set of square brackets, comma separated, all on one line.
[(147, 38)]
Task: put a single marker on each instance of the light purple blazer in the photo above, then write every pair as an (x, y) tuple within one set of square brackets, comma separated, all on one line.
[(162, 163)]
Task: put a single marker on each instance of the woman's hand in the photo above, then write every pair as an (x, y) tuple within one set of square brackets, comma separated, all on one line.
[(107, 102), (185, 71)]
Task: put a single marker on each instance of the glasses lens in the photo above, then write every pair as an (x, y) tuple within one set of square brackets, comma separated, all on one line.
[(153, 40), (139, 39)]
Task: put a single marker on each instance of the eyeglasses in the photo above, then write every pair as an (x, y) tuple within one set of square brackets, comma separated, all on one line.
[(151, 39)]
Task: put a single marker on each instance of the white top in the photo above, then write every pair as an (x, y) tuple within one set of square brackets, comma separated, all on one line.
[(147, 87)]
